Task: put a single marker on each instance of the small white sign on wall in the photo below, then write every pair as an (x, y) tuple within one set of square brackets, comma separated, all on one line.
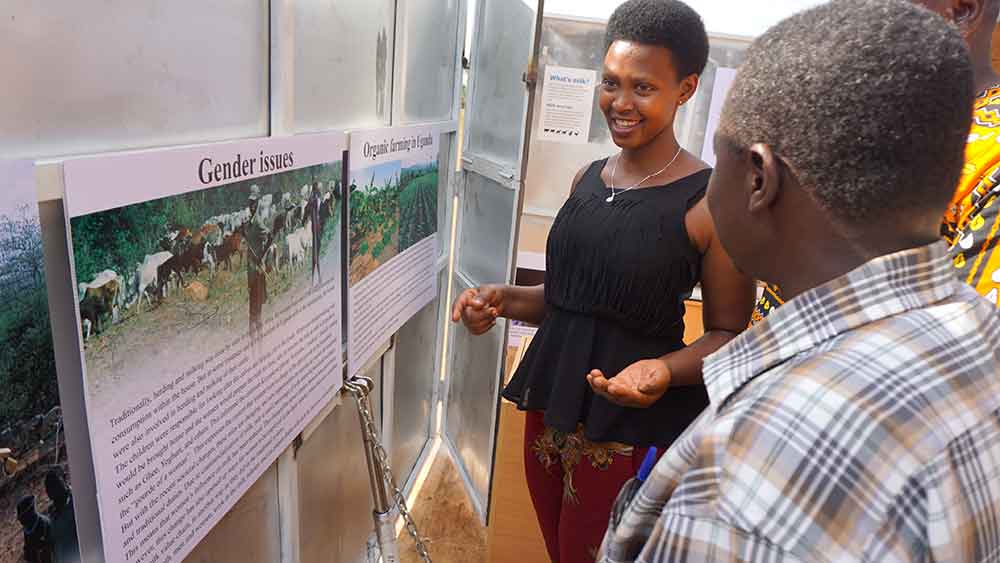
[(567, 104)]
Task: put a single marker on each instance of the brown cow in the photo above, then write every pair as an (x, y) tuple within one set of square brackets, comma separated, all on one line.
[(96, 302), (191, 254), (165, 273), (231, 245)]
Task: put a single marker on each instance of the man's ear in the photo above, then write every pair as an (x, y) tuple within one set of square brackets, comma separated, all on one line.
[(764, 179), (968, 15)]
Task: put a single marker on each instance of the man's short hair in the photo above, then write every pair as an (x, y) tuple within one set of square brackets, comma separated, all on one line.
[(869, 101), (663, 23)]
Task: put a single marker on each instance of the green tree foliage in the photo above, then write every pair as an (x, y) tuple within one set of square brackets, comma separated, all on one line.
[(28, 384), (374, 210)]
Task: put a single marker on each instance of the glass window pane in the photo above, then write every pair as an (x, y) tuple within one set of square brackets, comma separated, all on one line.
[(487, 208), (131, 74), (446, 175), (343, 64), (415, 377), (425, 59), (496, 111), (472, 389)]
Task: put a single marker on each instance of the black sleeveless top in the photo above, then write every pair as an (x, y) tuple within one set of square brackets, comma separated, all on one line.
[(616, 278)]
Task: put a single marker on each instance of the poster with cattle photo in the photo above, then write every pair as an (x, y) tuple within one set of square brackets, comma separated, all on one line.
[(393, 210), (209, 304), (36, 501)]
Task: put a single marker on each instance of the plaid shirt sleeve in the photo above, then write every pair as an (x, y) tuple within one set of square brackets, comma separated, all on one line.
[(666, 535), (649, 531), (680, 538), (944, 512)]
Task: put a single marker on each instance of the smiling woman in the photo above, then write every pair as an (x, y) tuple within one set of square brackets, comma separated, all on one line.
[(607, 374), (651, 68)]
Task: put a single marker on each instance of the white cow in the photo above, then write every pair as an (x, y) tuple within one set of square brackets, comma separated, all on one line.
[(307, 240), (146, 278), (264, 207), (296, 248), (299, 241), (213, 238), (208, 257), (302, 211)]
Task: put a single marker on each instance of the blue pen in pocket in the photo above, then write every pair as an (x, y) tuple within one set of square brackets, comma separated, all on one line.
[(647, 465), (631, 488)]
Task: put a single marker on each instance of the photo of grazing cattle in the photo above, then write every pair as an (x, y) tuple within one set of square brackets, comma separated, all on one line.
[(164, 281), (36, 506)]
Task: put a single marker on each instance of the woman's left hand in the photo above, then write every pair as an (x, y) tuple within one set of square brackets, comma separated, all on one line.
[(639, 385)]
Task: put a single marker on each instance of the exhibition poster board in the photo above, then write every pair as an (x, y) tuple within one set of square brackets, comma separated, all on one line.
[(37, 519), (393, 247), (208, 309)]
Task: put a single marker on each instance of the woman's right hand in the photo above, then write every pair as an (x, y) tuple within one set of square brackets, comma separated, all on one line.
[(479, 308)]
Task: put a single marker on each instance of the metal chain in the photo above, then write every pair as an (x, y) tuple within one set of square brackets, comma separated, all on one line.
[(371, 432)]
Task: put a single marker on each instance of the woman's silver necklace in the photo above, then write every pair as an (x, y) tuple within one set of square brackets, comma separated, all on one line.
[(614, 168)]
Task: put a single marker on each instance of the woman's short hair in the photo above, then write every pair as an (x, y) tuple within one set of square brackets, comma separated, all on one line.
[(663, 23), (869, 101)]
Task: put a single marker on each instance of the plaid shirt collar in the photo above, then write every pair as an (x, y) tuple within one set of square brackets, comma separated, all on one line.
[(880, 288)]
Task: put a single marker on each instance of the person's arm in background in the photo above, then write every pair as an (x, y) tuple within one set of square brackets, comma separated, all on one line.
[(728, 297)]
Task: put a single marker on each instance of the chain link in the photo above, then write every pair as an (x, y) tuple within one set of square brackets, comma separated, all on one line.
[(371, 433)]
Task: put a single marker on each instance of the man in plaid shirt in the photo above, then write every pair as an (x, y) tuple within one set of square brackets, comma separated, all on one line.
[(861, 420), (971, 223)]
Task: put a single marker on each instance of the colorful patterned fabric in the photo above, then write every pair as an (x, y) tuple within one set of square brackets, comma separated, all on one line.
[(573, 482), (972, 224), (568, 449), (770, 299), (860, 423)]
